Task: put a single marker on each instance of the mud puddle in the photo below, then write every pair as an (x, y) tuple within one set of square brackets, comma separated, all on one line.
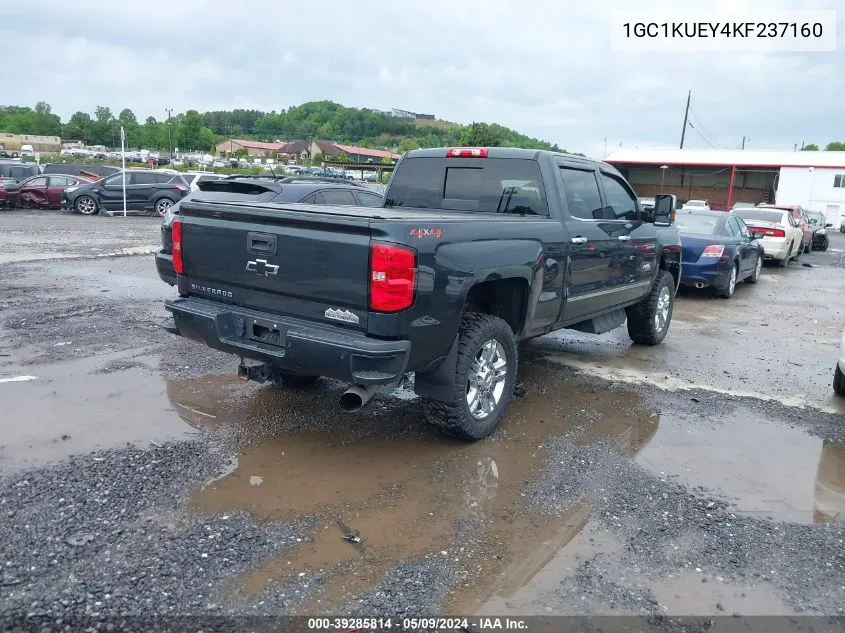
[(764, 469), (69, 408), (401, 486), (409, 492)]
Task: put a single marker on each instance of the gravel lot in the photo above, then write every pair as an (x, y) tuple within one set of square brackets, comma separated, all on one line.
[(140, 478)]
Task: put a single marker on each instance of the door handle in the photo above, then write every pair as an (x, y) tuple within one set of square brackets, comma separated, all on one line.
[(579, 240), (624, 238)]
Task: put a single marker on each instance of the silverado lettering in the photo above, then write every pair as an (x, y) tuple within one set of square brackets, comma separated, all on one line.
[(537, 241)]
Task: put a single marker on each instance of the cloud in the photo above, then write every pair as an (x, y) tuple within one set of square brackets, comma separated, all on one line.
[(544, 68)]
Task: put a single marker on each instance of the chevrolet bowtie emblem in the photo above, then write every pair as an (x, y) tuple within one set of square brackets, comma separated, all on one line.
[(261, 267)]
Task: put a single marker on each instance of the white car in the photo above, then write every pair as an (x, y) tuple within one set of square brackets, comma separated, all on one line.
[(782, 238), (193, 178), (839, 372), (696, 205)]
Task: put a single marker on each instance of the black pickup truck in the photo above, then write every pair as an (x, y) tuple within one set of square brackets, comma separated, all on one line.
[(474, 250)]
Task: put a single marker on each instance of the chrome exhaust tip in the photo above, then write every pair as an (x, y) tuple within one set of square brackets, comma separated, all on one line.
[(356, 396)]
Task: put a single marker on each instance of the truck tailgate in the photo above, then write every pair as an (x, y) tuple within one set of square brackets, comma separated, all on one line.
[(292, 259)]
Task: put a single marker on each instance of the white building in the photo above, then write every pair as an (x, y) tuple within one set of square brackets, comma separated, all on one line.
[(812, 179)]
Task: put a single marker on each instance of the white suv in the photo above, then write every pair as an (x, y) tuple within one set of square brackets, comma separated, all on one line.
[(195, 177)]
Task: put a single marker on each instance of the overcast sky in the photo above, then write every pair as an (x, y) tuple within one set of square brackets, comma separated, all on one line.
[(543, 68)]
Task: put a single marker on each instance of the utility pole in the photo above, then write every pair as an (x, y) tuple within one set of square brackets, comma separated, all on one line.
[(686, 118), (169, 133), (743, 142), (795, 147)]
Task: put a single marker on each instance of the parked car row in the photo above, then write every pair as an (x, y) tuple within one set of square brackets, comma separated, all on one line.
[(721, 249)]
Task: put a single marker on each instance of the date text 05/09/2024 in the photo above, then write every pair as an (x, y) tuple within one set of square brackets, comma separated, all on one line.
[(467, 625)]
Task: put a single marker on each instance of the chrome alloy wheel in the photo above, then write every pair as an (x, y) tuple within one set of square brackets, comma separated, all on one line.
[(486, 380), (661, 314)]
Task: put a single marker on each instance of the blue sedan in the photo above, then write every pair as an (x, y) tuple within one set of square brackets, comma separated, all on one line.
[(718, 251)]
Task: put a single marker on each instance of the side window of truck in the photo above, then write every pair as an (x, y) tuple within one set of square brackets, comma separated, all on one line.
[(581, 191), (622, 204)]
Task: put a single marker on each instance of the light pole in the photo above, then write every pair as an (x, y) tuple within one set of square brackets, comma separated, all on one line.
[(169, 133), (663, 169)]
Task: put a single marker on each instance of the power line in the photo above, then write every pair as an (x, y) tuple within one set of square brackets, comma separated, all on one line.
[(704, 138), (702, 132), (704, 128)]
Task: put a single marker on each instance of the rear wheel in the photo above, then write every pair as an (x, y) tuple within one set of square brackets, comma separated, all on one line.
[(728, 290), (824, 243), (783, 262), (485, 374), (648, 320), (758, 269), (838, 382), (86, 205), (162, 206)]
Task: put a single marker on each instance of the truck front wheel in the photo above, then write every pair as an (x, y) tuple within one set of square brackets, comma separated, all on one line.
[(648, 320), (485, 375)]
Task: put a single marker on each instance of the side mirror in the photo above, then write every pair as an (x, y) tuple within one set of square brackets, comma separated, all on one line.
[(756, 236), (828, 225), (663, 213)]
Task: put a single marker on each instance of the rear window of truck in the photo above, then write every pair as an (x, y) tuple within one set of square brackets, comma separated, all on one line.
[(487, 185)]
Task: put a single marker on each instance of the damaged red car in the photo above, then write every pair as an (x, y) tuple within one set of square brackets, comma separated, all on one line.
[(43, 191)]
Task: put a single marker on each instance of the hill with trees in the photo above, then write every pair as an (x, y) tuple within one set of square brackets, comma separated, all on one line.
[(326, 120)]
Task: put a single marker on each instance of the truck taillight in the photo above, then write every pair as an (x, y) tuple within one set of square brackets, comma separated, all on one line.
[(393, 274), (467, 152), (176, 250), (714, 250)]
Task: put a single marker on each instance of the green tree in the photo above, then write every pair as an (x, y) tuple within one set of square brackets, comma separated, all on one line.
[(207, 140), (79, 128), (343, 157), (45, 122), (408, 144), (835, 146), (190, 129), (129, 122), (812, 147), (318, 158), (479, 135), (105, 130)]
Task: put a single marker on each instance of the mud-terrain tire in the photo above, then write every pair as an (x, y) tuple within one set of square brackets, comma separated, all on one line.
[(643, 325), (293, 381), (838, 382), (754, 277), (483, 341)]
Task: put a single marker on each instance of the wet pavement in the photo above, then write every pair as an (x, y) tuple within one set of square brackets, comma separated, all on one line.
[(705, 476)]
